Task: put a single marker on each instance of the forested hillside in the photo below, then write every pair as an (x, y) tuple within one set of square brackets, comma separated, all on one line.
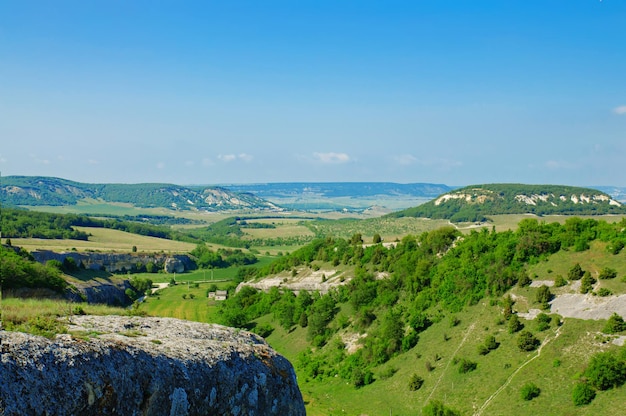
[(397, 292), (36, 191), (477, 202)]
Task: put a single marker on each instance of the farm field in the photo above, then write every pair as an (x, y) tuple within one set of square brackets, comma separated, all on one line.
[(103, 239)]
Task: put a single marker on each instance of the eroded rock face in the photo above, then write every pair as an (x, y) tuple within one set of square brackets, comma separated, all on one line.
[(145, 366)]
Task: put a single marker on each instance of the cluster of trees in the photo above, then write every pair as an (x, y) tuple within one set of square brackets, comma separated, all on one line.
[(207, 258), (19, 269), (18, 223), (605, 371)]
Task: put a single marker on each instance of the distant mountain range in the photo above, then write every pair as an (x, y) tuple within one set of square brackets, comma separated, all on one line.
[(40, 191), (476, 202)]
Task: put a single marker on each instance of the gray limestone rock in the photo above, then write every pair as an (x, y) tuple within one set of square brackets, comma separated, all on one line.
[(145, 366)]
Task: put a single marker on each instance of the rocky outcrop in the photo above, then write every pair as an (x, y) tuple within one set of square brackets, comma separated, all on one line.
[(118, 262), (109, 291), (145, 366)]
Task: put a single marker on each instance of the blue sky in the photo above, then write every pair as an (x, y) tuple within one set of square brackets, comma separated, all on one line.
[(209, 92)]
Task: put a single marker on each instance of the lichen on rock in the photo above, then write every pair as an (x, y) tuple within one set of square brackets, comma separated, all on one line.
[(145, 366)]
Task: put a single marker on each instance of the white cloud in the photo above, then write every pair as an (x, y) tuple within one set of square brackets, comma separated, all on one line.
[(232, 157), (405, 159), (227, 158), (207, 162), (245, 157), (160, 165), (36, 159), (621, 110), (331, 157), (189, 163), (558, 164), (436, 163)]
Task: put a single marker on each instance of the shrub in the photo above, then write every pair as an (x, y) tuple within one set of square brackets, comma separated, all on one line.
[(437, 408), (526, 341), (491, 342), (607, 273), (583, 394), (559, 281), (524, 280), (361, 377), (515, 324), (576, 272), (263, 330), (614, 324), (606, 371), (603, 292), (586, 284), (465, 366), (415, 382), (483, 350), (543, 296), (388, 372), (131, 294), (543, 321), (530, 391)]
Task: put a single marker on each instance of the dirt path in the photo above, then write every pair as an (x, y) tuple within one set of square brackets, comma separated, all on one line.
[(524, 364), (469, 330)]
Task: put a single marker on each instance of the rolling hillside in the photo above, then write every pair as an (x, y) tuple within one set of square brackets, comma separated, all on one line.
[(476, 202), (38, 191)]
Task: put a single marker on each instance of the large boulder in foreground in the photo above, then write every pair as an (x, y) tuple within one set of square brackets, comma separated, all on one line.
[(145, 366)]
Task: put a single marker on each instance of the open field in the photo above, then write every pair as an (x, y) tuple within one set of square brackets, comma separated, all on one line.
[(195, 306), (103, 239)]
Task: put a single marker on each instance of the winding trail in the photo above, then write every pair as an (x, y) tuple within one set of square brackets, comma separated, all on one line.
[(469, 330), (545, 342)]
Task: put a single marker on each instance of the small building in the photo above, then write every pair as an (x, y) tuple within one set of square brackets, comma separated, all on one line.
[(221, 295)]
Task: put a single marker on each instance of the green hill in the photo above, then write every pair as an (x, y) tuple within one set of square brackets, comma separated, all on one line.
[(38, 191), (477, 202), (484, 323)]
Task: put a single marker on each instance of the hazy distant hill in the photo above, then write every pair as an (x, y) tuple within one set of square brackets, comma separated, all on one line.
[(474, 203), (341, 189), (37, 191), (343, 195)]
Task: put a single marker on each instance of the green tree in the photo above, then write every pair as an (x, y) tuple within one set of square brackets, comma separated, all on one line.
[(606, 371), (526, 341), (543, 296), (559, 281), (607, 273), (583, 394), (614, 324), (530, 391), (415, 382), (377, 239), (586, 283), (576, 272), (465, 365), (515, 324)]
